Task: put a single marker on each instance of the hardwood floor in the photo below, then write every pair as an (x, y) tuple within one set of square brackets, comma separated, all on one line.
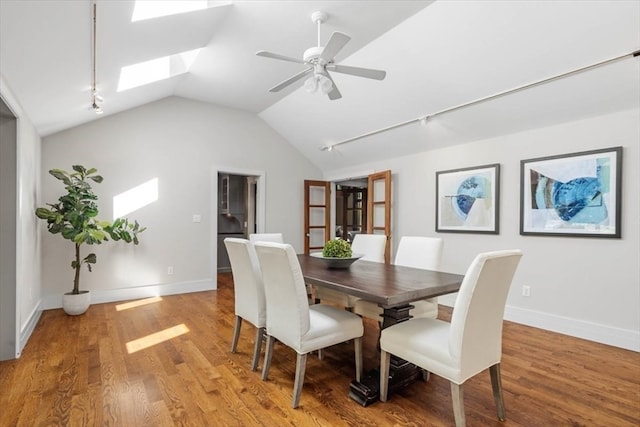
[(78, 371)]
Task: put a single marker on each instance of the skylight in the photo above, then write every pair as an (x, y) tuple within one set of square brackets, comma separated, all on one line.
[(147, 9), (156, 69)]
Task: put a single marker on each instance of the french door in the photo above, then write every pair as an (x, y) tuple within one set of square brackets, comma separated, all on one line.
[(379, 208), (317, 211), (317, 214)]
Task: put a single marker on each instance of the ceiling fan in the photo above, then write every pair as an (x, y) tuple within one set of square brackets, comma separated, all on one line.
[(320, 60)]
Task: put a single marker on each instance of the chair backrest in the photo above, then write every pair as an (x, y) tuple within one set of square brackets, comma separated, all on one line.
[(419, 252), (371, 246), (476, 322), (285, 292), (247, 281), (266, 237)]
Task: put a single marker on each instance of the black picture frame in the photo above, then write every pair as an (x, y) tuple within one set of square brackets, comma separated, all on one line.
[(577, 194), (468, 200)]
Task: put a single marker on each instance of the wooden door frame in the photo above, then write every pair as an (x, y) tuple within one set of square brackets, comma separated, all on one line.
[(386, 177), (308, 183)]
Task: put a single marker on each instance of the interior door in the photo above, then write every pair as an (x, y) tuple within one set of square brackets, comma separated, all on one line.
[(317, 214), (379, 208)]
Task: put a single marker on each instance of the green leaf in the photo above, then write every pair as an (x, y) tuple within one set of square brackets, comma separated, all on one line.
[(92, 171), (44, 213), (79, 168), (90, 259), (61, 175), (96, 178), (98, 235)]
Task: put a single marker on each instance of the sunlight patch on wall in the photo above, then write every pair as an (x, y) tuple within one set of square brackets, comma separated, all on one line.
[(137, 303), (155, 70), (135, 198), (156, 338)]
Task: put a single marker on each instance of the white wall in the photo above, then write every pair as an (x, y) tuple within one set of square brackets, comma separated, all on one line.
[(28, 280), (586, 287), (182, 143)]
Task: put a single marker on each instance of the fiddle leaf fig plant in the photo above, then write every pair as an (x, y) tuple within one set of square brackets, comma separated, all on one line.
[(74, 217)]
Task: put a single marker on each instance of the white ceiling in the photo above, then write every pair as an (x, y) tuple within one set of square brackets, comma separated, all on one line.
[(437, 55)]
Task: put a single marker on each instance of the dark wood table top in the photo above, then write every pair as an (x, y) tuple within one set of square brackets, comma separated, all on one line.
[(385, 284)]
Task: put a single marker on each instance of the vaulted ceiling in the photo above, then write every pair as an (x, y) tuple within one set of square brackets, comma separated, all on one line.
[(437, 55)]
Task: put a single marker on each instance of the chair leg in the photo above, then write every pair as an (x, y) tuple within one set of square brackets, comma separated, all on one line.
[(320, 354), (267, 357), (301, 364), (257, 348), (357, 343), (426, 375), (457, 396), (236, 333), (385, 360), (496, 385)]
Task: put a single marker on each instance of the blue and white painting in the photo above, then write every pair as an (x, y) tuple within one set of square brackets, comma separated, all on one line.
[(467, 200), (571, 194)]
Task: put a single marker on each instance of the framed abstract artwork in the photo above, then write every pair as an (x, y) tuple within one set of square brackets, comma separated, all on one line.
[(575, 194), (467, 200)]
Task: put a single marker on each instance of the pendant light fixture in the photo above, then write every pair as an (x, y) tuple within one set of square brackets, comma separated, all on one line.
[(96, 99)]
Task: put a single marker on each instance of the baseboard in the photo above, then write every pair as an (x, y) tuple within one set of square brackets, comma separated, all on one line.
[(27, 329), (125, 294), (617, 337)]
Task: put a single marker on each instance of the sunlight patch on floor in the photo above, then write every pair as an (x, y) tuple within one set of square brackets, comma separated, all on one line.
[(156, 338), (137, 303)]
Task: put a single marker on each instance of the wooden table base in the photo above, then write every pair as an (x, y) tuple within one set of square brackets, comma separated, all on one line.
[(401, 373)]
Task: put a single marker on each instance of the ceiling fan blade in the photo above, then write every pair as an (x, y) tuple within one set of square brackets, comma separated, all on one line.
[(278, 56), (291, 80), (334, 45), (335, 93), (357, 71)]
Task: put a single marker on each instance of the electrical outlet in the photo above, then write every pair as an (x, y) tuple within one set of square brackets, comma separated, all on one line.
[(170, 270), (526, 291)]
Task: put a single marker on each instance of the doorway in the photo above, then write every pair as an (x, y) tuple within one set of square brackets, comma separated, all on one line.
[(8, 273), (351, 208), (237, 212)]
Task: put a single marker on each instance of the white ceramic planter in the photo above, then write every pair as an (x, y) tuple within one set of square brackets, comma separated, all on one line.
[(76, 304)]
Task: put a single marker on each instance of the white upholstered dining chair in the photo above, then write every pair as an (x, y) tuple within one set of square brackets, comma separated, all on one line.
[(266, 237), (417, 252), (371, 247), (293, 322), (248, 292), (471, 343)]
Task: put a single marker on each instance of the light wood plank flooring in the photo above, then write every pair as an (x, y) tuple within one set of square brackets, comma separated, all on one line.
[(79, 371)]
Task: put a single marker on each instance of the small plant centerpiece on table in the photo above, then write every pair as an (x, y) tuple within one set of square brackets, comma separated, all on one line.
[(337, 248), (337, 254), (74, 218)]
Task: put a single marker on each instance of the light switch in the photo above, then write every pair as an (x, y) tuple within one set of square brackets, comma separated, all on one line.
[(197, 218)]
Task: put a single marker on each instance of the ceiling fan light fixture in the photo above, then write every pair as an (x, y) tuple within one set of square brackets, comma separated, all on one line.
[(325, 84), (311, 84), (318, 81)]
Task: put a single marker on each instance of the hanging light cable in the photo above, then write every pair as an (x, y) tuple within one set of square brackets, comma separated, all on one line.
[(95, 97)]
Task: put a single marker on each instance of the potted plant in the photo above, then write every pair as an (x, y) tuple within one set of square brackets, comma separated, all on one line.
[(74, 218)]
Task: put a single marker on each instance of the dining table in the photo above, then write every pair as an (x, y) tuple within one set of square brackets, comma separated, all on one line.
[(393, 288)]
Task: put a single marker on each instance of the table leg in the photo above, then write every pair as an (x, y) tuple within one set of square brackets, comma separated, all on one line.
[(401, 373)]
